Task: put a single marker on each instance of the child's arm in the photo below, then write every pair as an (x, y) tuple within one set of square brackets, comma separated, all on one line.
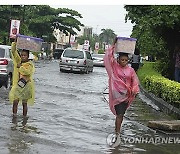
[(109, 60), (15, 54), (110, 55)]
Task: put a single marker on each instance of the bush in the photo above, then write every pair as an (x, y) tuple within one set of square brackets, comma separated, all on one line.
[(164, 88), (157, 84), (147, 70), (162, 67), (100, 51)]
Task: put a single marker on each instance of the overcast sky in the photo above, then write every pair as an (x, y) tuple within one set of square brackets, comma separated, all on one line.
[(103, 16)]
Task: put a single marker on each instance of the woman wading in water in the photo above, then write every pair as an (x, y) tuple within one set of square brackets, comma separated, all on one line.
[(123, 85), (22, 90)]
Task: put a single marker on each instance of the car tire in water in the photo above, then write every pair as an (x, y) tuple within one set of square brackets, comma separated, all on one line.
[(61, 70), (87, 71)]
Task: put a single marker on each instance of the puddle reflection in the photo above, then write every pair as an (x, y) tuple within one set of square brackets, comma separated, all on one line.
[(19, 136)]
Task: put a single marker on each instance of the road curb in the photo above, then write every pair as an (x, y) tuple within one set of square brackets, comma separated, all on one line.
[(171, 125), (163, 106)]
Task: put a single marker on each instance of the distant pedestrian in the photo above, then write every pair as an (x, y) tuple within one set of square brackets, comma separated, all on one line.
[(135, 61), (123, 85), (22, 90), (177, 63)]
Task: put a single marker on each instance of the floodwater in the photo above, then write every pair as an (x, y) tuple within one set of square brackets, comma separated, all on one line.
[(71, 115)]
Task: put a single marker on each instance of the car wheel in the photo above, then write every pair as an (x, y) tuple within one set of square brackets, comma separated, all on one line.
[(61, 70), (87, 71), (8, 82)]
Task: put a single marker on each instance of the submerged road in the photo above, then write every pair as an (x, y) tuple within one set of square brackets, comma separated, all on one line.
[(71, 115)]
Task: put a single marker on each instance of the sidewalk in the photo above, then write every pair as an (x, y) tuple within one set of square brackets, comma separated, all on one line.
[(144, 111)]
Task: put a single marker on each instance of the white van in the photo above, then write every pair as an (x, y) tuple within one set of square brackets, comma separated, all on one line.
[(6, 66), (76, 60)]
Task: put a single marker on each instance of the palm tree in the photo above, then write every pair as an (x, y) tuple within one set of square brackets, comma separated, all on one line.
[(107, 36)]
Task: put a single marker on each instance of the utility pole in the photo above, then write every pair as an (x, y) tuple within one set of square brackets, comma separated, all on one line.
[(96, 28)]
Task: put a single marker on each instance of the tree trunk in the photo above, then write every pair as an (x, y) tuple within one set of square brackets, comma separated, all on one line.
[(172, 38)]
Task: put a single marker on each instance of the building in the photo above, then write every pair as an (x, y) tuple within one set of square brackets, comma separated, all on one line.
[(88, 31), (62, 39)]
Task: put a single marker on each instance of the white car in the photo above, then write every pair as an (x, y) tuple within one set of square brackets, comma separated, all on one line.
[(98, 59), (6, 66), (31, 56), (76, 60)]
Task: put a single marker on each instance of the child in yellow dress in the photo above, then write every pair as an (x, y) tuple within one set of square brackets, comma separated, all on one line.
[(22, 90)]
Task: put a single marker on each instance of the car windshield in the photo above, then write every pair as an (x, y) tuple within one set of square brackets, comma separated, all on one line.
[(2, 53), (74, 54)]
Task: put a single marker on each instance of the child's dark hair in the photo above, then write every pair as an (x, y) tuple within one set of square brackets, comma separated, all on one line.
[(120, 54), (27, 51)]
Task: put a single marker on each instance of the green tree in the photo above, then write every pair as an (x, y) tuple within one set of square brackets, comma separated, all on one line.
[(6, 12), (38, 20), (157, 29), (81, 39), (107, 36), (45, 19)]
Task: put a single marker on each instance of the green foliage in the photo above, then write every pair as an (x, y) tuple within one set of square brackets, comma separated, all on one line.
[(46, 19), (38, 20), (92, 40), (155, 16), (101, 51), (162, 67), (81, 40), (107, 36), (160, 86), (147, 69), (157, 28)]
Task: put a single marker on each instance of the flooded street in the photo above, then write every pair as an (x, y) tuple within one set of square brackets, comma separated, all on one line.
[(71, 115)]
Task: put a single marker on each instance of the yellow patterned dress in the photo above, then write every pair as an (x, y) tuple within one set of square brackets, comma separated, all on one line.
[(26, 70)]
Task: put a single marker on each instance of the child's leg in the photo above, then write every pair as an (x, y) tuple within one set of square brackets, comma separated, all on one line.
[(120, 111), (15, 106), (118, 123), (24, 103)]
